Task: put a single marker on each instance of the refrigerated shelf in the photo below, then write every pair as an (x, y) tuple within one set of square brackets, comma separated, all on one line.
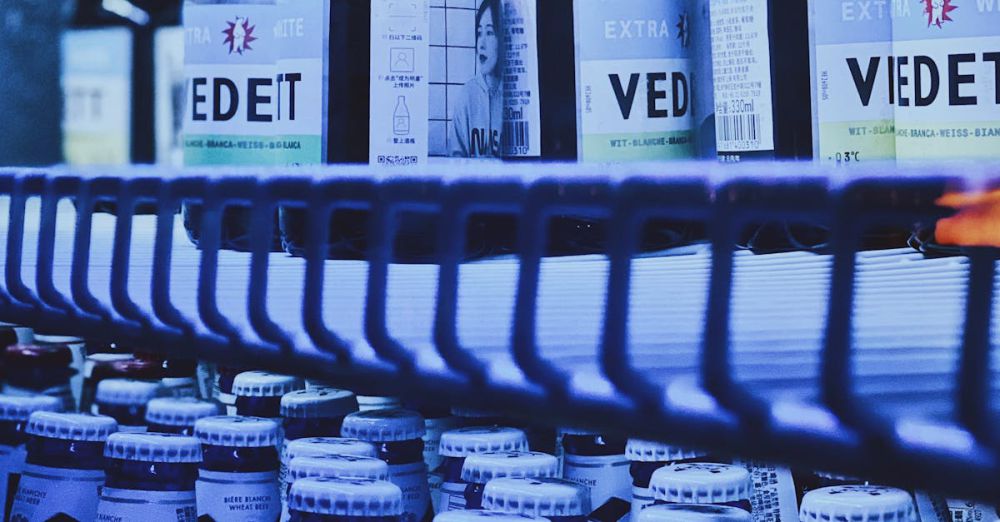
[(876, 363)]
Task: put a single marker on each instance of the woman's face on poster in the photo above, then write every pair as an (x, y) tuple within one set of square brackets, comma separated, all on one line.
[(488, 44)]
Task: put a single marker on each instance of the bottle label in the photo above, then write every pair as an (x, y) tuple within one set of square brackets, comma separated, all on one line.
[(854, 119), (641, 499), (634, 80), (180, 386), (934, 508), (133, 504), (450, 81), (96, 77), (46, 493), (301, 32), (398, 113), (168, 60), (947, 79), (412, 479), (232, 92), (452, 497), (11, 463), (243, 496), (63, 392), (228, 401), (433, 428), (744, 119), (773, 492), (522, 128), (604, 476)]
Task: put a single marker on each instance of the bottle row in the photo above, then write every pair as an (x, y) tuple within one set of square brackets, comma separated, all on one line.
[(259, 446), (284, 82)]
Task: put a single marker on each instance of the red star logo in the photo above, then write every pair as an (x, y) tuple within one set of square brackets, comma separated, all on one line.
[(937, 11), (239, 34)]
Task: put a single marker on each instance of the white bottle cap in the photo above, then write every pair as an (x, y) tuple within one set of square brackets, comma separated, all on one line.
[(346, 497), (153, 447), (383, 425), (179, 411), (540, 497), (480, 515), (57, 339), (462, 442), (375, 402), (238, 432), (693, 513), (701, 483), (857, 504), (127, 392), (316, 446), (481, 468), (265, 384), (318, 402), (19, 408), (638, 450), (82, 427), (338, 466)]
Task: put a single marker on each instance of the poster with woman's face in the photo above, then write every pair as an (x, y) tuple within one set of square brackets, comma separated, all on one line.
[(469, 43)]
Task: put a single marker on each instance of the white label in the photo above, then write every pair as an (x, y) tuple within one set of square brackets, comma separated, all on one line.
[(228, 400), (412, 479), (96, 78), (48, 492), (232, 91), (522, 129), (399, 91), (252, 497), (452, 497), (742, 76), (126, 505), (63, 392), (301, 34), (168, 46), (641, 499), (24, 335), (432, 440), (933, 508), (624, 105), (773, 492), (11, 463), (604, 476)]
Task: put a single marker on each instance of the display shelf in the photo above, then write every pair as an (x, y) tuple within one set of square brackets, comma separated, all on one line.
[(876, 363)]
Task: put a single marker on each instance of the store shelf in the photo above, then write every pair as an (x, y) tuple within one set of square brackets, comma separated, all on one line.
[(874, 363)]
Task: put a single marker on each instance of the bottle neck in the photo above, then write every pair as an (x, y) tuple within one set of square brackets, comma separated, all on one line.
[(267, 407), (743, 504), (300, 516), (125, 414), (400, 452), (593, 445), (179, 430), (230, 459), (12, 433), (38, 377), (69, 454), (303, 427), (150, 476), (452, 468)]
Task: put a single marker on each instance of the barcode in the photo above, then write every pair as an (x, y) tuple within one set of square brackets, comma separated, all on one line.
[(739, 127), (516, 137)]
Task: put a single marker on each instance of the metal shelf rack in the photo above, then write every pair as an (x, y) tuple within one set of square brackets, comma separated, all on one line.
[(877, 363)]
